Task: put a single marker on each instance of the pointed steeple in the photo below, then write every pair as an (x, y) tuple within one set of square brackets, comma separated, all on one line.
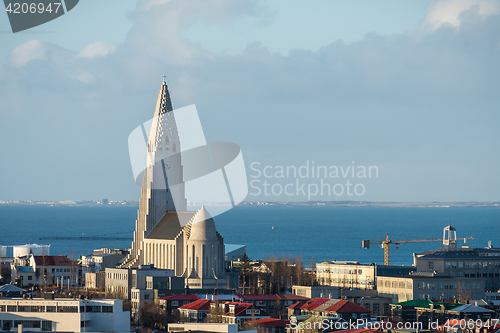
[(164, 103)]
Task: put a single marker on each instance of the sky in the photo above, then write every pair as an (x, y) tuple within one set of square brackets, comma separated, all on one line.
[(408, 88)]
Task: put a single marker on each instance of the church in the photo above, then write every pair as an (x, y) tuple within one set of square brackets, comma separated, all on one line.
[(167, 235)]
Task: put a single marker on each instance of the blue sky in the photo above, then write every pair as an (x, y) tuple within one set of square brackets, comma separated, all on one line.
[(408, 86)]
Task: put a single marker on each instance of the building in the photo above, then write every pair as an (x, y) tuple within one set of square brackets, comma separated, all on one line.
[(64, 315), (352, 274), (97, 262), (271, 325), (316, 291), (421, 285), (172, 303), (347, 310), (23, 276), (205, 327), (195, 311), (121, 282), (9, 290), (241, 313), (156, 286), (463, 262), (379, 306), (58, 270), (167, 235)]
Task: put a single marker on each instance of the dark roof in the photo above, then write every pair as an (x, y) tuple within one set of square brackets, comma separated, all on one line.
[(346, 306), (269, 297), (181, 297), (53, 261), (461, 253), (11, 289), (199, 304), (170, 225), (293, 297)]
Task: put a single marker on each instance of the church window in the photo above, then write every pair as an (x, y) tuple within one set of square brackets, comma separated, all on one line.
[(174, 147)]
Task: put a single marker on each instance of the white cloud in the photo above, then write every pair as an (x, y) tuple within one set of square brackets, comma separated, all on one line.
[(27, 51), (448, 12), (96, 50)]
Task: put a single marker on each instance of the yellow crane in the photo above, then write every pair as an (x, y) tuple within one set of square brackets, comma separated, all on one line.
[(448, 241)]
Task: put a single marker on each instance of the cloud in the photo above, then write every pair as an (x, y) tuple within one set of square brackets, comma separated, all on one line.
[(96, 50), (389, 100), (30, 50), (448, 12)]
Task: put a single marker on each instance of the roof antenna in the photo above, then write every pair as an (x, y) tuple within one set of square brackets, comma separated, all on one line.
[(164, 76)]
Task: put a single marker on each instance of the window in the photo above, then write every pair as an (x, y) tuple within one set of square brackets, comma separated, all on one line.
[(49, 308), (430, 265), (174, 303), (27, 323), (46, 326), (107, 309), (67, 309)]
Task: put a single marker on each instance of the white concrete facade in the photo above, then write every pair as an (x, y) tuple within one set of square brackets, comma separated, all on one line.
[(64, 315)]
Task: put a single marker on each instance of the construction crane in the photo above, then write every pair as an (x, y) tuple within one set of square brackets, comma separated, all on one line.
[(449, 241)]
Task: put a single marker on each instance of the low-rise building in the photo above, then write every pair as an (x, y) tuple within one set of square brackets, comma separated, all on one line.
[(23, 276), (172, 303), (421, 285), (57, 270), (64, 315), (353, 275), (240, 313), (195, 311)]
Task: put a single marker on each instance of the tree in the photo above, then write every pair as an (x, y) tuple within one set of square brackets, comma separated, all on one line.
[(244, 269), (151, 316)]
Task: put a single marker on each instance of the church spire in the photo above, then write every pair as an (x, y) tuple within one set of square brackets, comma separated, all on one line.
[(164, 101)]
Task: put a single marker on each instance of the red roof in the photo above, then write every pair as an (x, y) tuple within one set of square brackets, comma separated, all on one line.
[(297, 305), (314, 303), (293, 297), (53, 261), (271, 322), (181, 297), (347, 306), (199, 304), (269, 297)]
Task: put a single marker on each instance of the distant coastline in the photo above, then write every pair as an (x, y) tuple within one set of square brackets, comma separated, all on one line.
[(375, 204), (494, 204)]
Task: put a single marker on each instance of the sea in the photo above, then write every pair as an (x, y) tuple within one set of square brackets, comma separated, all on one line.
[(316, 233)]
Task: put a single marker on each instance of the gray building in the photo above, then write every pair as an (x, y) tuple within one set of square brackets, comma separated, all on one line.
[(421, 285)]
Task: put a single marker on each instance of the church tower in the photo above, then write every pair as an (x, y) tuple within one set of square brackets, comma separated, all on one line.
[(166, 234), (163, 187)]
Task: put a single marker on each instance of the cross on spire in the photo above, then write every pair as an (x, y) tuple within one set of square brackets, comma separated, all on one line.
[(164, 76)]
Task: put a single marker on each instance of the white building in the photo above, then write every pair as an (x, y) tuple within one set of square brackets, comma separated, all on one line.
[(64, 315)]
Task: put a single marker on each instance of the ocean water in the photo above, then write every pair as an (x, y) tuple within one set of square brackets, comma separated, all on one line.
[(326, 233)]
